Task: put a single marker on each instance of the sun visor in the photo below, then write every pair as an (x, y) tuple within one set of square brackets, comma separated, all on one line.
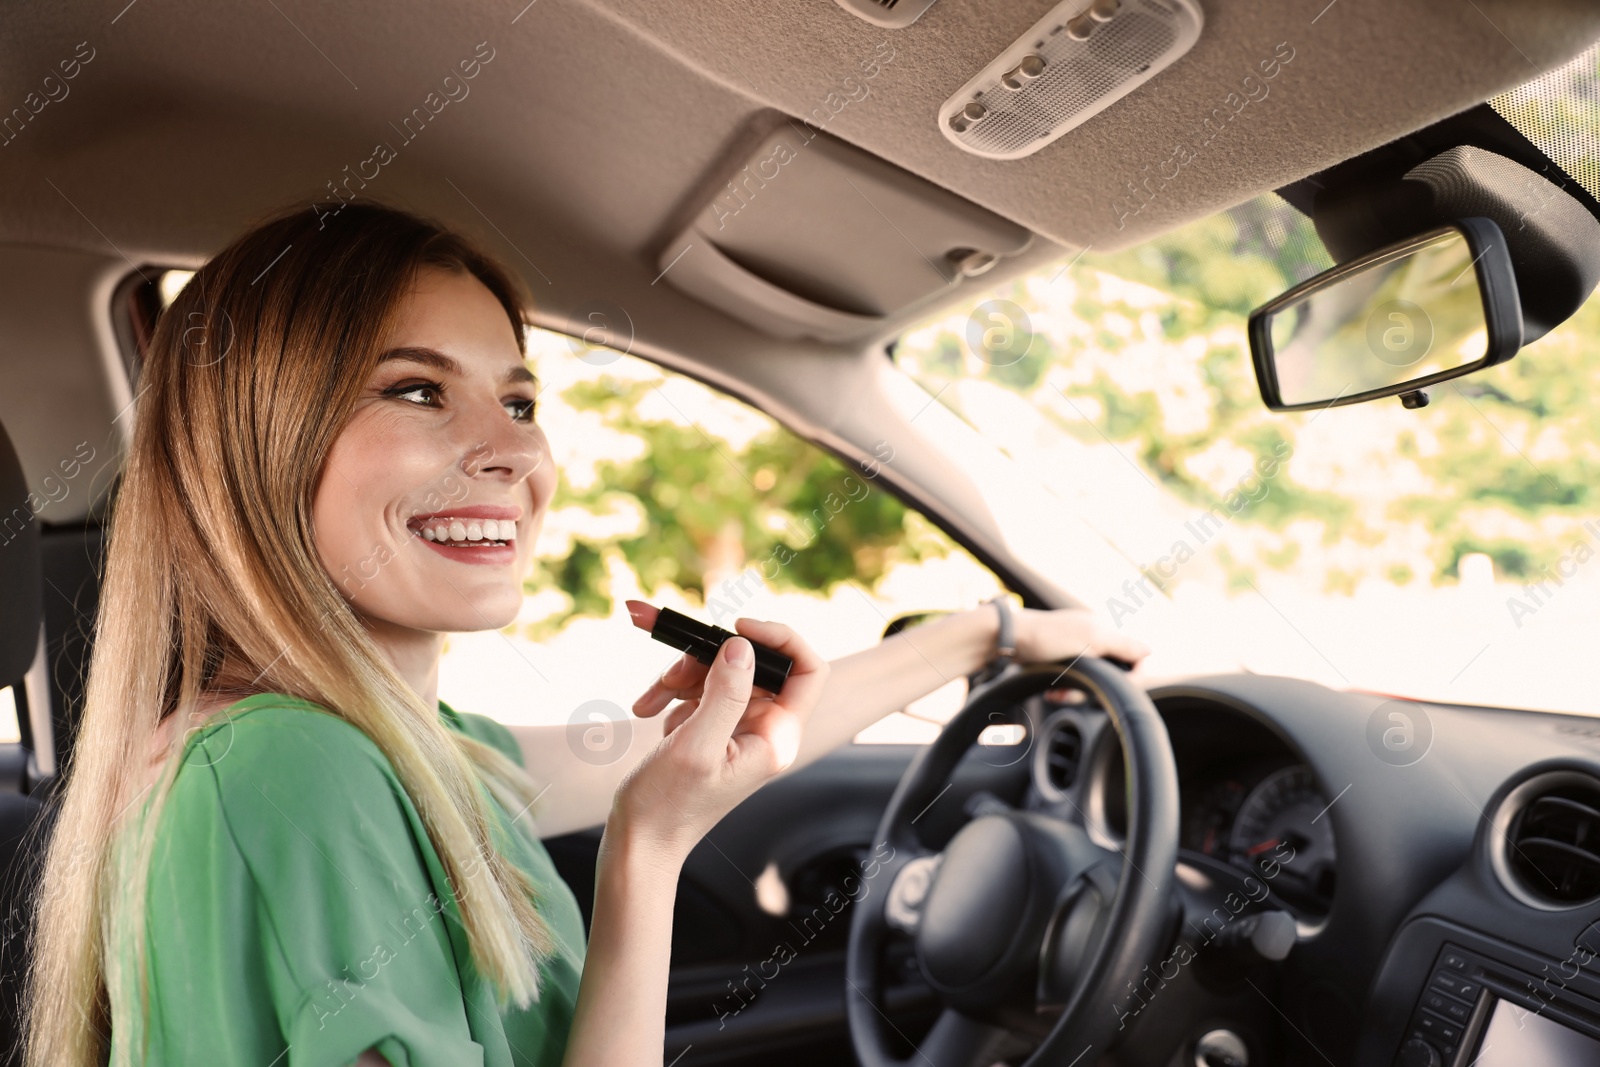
[(810, 237)]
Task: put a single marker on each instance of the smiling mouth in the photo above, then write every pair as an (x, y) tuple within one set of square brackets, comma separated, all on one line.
[(465, 533)]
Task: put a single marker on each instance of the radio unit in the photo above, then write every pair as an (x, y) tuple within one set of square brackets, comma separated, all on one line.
[(1479, 1012)]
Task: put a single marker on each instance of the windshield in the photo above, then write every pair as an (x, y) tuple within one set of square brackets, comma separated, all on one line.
[(1449, 553)]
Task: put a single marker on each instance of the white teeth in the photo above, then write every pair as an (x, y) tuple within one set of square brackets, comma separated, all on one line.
[(468, 530)]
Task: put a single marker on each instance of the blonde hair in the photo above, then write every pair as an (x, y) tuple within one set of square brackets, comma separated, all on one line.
[(210, 576)]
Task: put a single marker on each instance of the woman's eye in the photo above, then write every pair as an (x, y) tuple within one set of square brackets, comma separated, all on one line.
[(521, 409), (428, 391)]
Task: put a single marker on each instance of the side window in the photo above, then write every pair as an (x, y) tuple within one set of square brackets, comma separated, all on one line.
[(10, 729), (675, 493)]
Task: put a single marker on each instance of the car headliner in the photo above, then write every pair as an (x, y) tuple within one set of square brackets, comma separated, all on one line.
[(587, 142)]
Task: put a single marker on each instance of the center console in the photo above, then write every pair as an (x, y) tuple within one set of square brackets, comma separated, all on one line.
[(1485, 1003)]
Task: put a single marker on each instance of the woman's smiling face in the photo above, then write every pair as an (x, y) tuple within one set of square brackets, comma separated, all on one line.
[(441, 446)]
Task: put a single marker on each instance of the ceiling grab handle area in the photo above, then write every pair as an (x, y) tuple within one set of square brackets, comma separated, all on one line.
[(712, 276), (806, 236)]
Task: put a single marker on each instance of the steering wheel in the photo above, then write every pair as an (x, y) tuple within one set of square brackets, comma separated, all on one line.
[(1021, 915)]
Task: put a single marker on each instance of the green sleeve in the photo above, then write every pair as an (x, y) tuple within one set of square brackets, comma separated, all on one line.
[(295, 915)]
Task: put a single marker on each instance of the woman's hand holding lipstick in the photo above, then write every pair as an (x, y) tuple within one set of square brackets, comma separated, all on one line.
[(723, 739)]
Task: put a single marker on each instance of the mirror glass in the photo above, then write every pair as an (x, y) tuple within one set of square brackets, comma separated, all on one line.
[(1415, 312)]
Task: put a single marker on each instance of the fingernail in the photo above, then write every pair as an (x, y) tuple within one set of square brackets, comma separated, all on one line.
[(737, 652)]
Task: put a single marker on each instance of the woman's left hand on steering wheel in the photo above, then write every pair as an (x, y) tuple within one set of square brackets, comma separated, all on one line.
[(1064, 634)]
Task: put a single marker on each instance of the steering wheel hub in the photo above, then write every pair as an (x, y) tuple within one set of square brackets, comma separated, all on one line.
[(969, 925), (991, 905)]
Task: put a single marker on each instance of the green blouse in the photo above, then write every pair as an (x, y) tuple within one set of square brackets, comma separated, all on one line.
[(298, 913)]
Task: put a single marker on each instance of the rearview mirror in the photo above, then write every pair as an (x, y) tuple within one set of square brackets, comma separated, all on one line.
[(1423, 311), (910, 619)]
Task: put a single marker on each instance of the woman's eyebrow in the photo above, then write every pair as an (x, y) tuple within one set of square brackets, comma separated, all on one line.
[(428, 357), (432, 357)]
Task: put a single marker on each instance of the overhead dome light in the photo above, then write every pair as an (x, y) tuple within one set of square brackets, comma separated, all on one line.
[(890, 14), (1072, 64)]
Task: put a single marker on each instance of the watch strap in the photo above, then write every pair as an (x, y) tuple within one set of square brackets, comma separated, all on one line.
[(1006, 640)]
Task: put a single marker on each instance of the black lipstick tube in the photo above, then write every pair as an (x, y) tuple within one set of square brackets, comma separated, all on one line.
[(702, 640)]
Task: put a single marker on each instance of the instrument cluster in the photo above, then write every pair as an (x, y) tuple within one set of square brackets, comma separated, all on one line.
[(1246, 799)]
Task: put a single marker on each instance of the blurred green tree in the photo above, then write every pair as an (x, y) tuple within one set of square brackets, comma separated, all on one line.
[(1505, 457), (798, 516)]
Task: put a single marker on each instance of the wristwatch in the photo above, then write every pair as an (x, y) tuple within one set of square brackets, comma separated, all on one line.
[(1005, 642)]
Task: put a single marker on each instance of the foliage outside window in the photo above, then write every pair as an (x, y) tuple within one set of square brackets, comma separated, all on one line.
[(1433, 552)]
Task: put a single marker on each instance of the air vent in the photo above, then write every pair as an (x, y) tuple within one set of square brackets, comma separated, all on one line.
[(1547, 847), (1059, 758)]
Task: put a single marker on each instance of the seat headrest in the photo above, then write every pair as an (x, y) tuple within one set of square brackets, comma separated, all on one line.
[(21, 584)]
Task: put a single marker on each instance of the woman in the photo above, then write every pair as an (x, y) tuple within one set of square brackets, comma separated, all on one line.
[(276, 845)]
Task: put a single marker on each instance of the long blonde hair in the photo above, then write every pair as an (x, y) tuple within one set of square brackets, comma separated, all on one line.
[(210, 578)]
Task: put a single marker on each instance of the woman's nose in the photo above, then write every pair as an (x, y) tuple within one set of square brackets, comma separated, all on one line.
[(499, 446)]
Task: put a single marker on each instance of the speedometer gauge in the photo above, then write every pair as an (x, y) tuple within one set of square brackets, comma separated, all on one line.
[(1208, 819), (1283, 833)]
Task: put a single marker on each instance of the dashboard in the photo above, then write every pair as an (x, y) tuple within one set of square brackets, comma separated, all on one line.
[(1247, 800), (1446, 904)]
